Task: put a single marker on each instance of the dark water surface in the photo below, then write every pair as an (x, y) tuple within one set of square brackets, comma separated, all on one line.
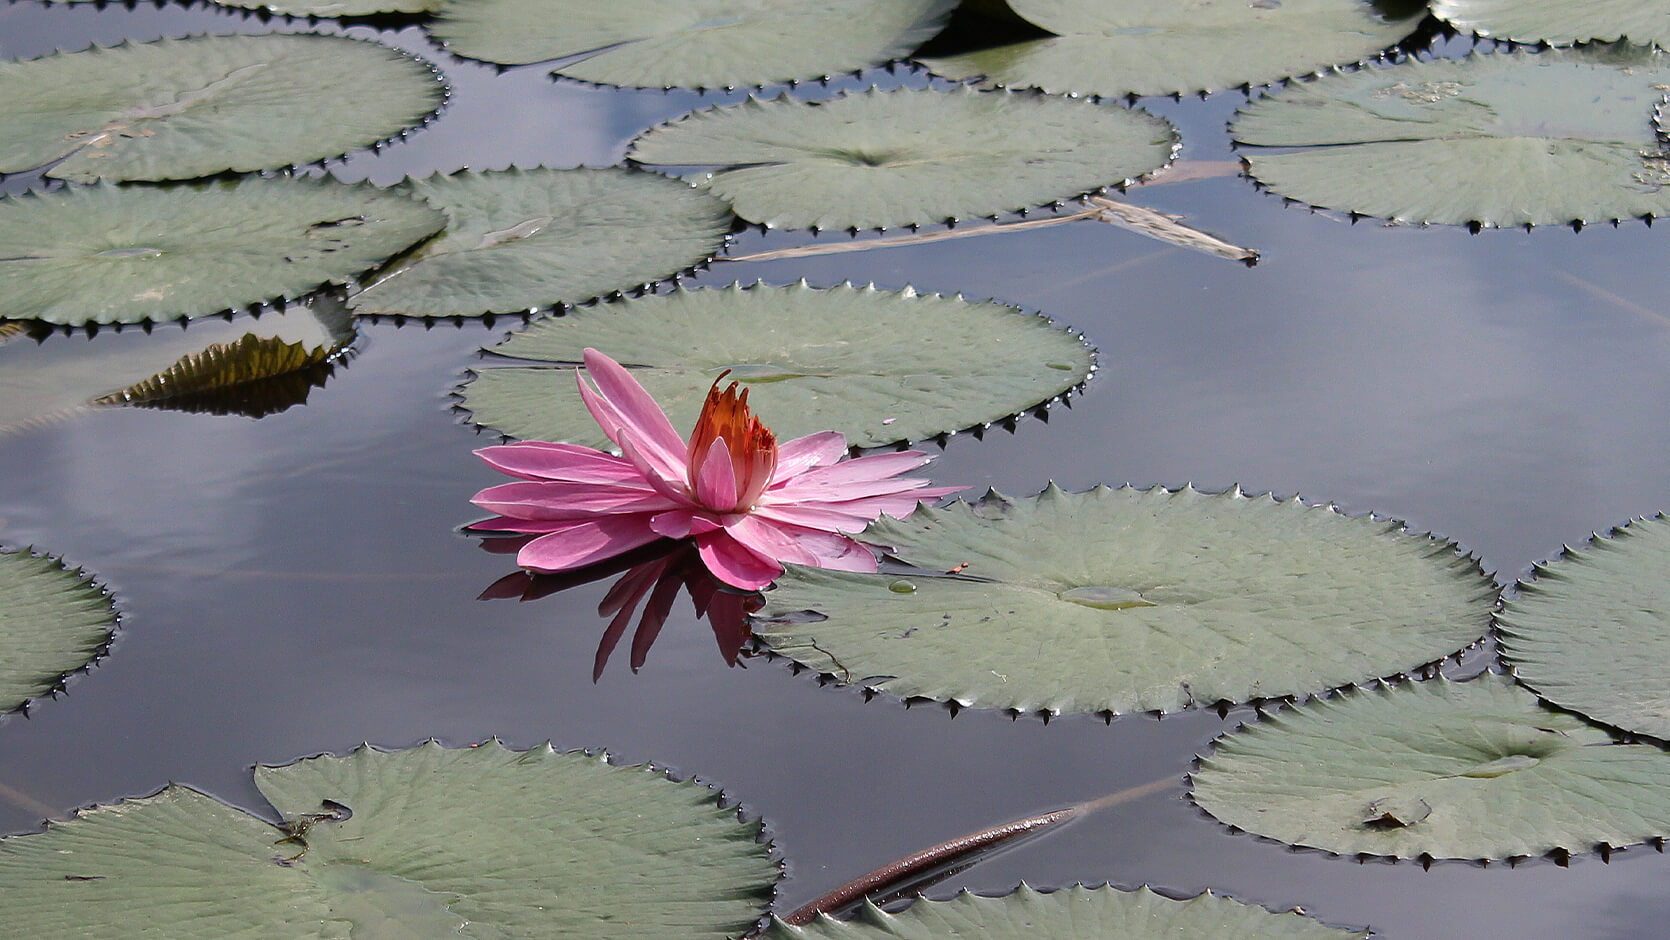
[(296, 584)]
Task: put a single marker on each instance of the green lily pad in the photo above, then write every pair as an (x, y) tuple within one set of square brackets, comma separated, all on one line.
[(186, 108), (1074, 913), (878, 366), (109, 254), (1558, 22), (909, 155), (409, 844), (522, 239), (53, 621), (1137, 47), (1126, 600), (1591, 630), (690, 43), (1493, 140), (1472, 770)]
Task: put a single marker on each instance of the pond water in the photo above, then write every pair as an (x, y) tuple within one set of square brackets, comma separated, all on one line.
[(297, 584)]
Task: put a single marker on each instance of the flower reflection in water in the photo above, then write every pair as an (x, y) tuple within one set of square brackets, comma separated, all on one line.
[(651, 579)]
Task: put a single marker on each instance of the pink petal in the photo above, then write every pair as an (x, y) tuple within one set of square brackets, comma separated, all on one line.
[(814, 450), (824, 516), (582, 543), (868, 468), (716, 481), (543, 460), (551, 500), (768, 540), (682, 523), (837, 552), (631, 408), (734, 564), (673, 487), (794, 492)]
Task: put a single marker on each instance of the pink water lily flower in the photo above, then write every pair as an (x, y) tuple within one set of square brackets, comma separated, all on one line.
[(749, 503)]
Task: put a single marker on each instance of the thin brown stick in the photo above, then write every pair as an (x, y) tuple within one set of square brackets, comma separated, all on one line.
[(917, 238)]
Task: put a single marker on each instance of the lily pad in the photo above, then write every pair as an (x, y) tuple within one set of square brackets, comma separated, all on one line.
[(109, 254), (1473, 770), (690, 43), (1557, 22), (338, 8), (1126, 600), (53, 621), (1591, 630), (521, 239), (908, 155), (1492, 140), (410, 844), (185, 108), (1138, 47), (878, 366), (1074, 913)]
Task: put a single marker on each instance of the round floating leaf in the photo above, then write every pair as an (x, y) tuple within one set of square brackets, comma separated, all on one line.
[(53, 621), (111, 254), (521, 239), (1503, 139), (1474, 770), (1120, 47), (185, 108), (878, 366), (1591, 632), (1075, 913), (692, 43), (410, 844), (1131, 600), (1558, 22), (909, 155)]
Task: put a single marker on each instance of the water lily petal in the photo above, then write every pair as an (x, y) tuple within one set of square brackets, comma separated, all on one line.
[(554, 500), (583, 543), (794, 492), (814, 450), (734, 563), (825, 516), (636, 411), (674, 488), (716, 481), (543, 460), (862, 469), (837, 552), (769, 540)]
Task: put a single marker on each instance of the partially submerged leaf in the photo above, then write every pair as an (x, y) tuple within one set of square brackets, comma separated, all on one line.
[(186, 108), (1131, 600), (109, 254), (1558, 22), (53, 621), (1495, 140), (1138, 47), (521, 239), (1591, 630), (409, 844), (690, 43), (1075, 913), (878, 366), (252, 375), (907, 156), (1474, 770)]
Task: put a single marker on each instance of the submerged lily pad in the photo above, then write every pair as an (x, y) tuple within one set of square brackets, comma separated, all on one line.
[(690, 43), (1591, 630), (878, 366), (53, 621), (1559, 22), (1495, 140), (410, 844), (185, 108), (1131, 600), (109, 254), (1138, 47), (521, 239), (1074, 913), (1473, 770), (908, 155)]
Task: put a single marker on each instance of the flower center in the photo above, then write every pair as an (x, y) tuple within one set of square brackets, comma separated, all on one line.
[(751, 445)]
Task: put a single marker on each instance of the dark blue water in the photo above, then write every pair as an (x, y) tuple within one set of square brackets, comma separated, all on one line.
[(296, 584)]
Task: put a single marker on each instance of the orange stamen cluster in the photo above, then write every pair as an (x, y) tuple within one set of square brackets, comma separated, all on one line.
[(753, 448)]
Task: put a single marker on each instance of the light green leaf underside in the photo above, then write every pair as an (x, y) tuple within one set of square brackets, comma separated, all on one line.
[(690, 43), (1120, 47), (53, 621), (521, 239), (186, 108), (878, 366), (1076, 913), (325, 8), (1591, 632), (1504, 139), (122, 255), (1559, 22), (517, 844), (1474, 770), (1125, 600), (879, 159)]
